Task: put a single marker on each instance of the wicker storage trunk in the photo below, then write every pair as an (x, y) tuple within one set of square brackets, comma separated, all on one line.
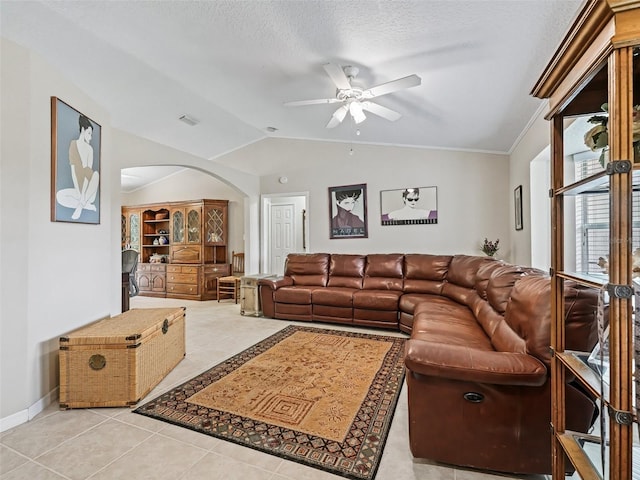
[(116, 361)]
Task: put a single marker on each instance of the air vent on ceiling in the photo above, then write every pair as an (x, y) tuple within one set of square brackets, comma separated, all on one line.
[(188, 120)]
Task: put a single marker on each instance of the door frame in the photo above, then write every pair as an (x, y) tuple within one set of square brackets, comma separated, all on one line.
[(266, 201)]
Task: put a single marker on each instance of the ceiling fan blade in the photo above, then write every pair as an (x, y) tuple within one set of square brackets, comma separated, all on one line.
[(381, 111), (392, 86), (312, 102), (337, 75), (338, 116)]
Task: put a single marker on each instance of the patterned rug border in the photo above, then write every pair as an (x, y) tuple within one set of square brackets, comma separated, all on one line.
[(392, 360)]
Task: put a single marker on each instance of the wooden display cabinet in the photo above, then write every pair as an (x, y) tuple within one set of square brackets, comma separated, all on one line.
[(597, 63), (194, 253)]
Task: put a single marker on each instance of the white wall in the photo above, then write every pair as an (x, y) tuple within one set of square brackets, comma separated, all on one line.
[(472, 188), (534, 141), (55, 276), (192, 184)]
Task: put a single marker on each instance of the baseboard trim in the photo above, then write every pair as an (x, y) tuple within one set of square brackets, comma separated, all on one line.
[(27, 414)]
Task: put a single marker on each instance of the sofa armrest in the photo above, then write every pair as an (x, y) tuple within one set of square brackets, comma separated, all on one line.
[(462, 363), (275, 283)]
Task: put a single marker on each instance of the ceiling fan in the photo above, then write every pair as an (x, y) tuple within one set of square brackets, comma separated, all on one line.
[(354, 99)]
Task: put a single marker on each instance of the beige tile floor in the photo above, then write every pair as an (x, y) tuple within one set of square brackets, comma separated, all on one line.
[(114, 443)]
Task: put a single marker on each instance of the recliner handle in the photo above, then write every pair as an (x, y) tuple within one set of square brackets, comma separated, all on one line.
[(473, 397)]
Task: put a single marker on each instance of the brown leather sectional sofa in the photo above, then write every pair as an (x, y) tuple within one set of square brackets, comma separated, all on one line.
[(478, 356)]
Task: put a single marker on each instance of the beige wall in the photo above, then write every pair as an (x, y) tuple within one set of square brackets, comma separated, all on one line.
[(472, 188), (54, 276)]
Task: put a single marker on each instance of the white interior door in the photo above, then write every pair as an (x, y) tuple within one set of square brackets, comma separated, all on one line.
[(282, 235), (283, 229)]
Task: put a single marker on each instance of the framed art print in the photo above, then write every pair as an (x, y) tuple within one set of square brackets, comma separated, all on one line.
[(75, 165), (348, 211), (409, 206), (517, 199)]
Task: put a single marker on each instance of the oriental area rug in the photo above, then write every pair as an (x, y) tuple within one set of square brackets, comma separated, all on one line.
[(323, 398)]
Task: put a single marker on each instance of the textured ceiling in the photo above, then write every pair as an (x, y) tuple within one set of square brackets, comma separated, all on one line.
[(232, 64)]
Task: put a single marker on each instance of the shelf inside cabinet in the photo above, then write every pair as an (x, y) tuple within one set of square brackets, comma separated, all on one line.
[(594, 280), (576, 363), (597, 183), (571, 443)]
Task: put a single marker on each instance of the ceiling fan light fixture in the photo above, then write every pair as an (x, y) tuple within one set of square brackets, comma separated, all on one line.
[(356, 112)]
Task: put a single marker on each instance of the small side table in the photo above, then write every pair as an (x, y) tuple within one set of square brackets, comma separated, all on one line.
[(249, 295)]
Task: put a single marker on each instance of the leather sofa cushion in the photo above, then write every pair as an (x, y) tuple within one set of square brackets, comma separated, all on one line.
[(333, 296), (501, 284), (308, 269), (463, 268), (484, 274), (580, 304), (376, 299), (296, 294), (408, 301), (346, 270), (384, 272), (426, 267), (440, 320), (528, 316)]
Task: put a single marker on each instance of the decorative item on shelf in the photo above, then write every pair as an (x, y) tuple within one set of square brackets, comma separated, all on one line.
[(603, 263), (489, 247), (155, 258), (163, 240), (597, 138), (156, 241), (163, 232), (214, 237)]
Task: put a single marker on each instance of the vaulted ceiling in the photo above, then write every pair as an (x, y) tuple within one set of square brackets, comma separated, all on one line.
[(231, 64)]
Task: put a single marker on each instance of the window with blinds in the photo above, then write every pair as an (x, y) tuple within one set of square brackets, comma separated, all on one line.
[(592, 223)]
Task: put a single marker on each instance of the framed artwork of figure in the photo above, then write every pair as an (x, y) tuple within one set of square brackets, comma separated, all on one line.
[(348, 211), (409, 206), (75, 165)]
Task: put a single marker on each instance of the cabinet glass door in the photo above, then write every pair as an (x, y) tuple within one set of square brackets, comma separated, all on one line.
[(215, 225), (177, 223), (193, 226), (134, 231)]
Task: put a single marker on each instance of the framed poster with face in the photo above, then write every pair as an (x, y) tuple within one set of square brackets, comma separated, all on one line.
[(75, 165), (409, 206), (348, 211)]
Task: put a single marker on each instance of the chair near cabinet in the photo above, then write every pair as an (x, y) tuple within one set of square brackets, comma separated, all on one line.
[(229, 286)]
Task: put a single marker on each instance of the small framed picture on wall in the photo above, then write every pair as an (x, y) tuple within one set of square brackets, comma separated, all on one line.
[(517, 199), (348, 211)]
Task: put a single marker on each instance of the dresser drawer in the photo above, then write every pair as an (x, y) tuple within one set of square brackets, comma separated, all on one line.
[(182, 289), (157, 268), (191, 278), (182, 269), (217, 270)]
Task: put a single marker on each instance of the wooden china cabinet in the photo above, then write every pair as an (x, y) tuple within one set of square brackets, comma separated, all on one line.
[(595, 72), (182, 245)]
